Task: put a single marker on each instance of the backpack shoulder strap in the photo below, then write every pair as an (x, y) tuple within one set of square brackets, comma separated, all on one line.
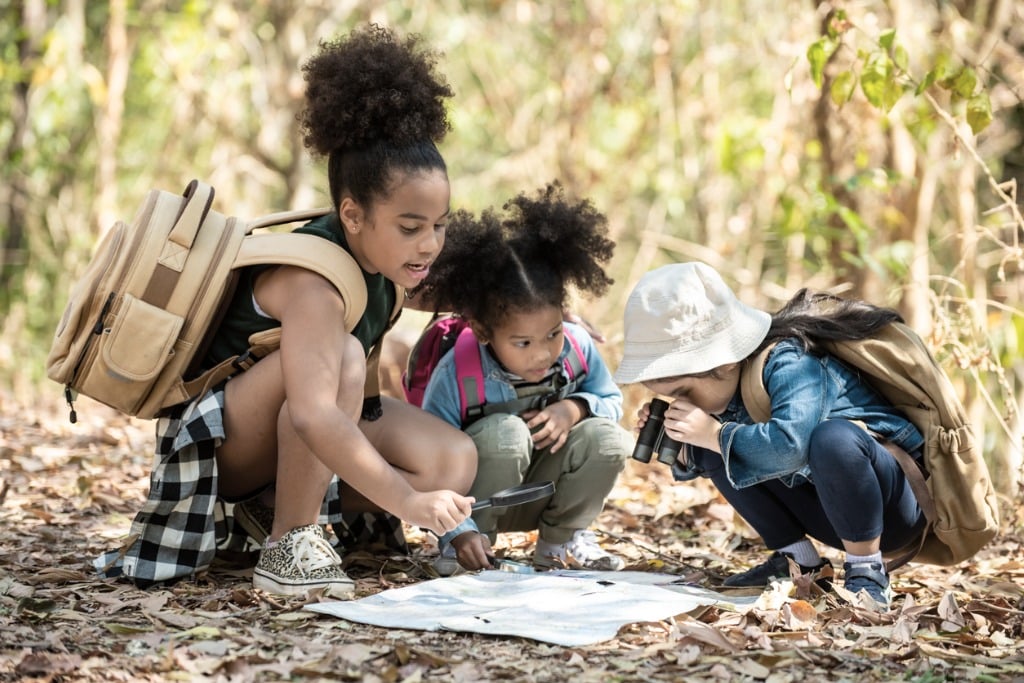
[(294, 249), (755, 397), (316, 254), (474, 406), (372, 385), (469, 372), (575, 363), (327, 259)]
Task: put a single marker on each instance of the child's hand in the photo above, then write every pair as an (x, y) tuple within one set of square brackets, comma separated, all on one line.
[(439, 511), (642, 414), (473, 550), (687, 423), (550, 427)]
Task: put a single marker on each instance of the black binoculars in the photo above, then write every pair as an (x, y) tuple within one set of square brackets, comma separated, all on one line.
[(653, 439)]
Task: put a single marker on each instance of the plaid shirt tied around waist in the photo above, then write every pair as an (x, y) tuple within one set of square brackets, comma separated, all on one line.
[(182, 524)]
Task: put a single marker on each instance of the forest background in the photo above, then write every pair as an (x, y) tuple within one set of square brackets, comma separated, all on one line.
[(872, 148)]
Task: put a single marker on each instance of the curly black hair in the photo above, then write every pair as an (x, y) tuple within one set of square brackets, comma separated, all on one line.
[(496, 265), (374, 105)]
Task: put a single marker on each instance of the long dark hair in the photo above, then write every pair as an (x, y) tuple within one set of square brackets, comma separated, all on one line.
[(374, 106), (815, 317)]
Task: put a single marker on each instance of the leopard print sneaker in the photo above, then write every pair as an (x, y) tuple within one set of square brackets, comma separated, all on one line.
[(302, 560)]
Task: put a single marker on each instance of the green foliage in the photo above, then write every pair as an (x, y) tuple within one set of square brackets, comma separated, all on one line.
[(818, 54), (882, 71), (878, 80), (979, 112), (699, 132)]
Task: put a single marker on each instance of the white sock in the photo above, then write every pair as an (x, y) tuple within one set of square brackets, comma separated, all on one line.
[(864, 559), (804, 552)]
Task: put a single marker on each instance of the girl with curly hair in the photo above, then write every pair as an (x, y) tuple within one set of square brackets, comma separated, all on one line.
[(297, 423), (508, 276)]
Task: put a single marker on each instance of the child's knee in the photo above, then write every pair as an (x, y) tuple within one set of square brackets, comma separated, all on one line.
[(606, 438), (463, 462), (832, 441), (603, 440), (501, 437)]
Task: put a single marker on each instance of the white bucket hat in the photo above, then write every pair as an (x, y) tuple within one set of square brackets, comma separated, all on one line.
[(682, 319)]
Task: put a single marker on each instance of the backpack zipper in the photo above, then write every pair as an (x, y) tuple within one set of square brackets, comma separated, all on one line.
[(97, 329)]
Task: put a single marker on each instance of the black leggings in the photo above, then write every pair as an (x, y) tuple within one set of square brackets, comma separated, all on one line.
[(859, 493)]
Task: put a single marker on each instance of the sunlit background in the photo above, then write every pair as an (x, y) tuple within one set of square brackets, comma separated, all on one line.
[(870, 147)]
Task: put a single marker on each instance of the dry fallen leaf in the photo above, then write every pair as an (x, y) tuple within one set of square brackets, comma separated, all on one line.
[(72, 492)]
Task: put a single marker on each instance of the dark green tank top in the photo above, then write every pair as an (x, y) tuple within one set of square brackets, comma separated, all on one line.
[(242, 319)]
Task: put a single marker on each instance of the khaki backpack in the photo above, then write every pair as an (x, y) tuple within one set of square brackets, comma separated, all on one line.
[(135, 325), (955, 490)]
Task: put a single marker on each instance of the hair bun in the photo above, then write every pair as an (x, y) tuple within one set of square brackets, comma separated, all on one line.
[(369, 88)]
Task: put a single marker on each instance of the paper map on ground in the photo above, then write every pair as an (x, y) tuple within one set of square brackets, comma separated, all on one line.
[(568, 608)]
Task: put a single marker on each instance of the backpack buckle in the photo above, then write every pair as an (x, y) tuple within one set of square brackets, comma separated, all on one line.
[(244, 362)]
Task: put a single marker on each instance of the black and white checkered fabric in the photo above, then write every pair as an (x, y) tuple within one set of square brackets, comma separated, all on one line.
[(182, 524)]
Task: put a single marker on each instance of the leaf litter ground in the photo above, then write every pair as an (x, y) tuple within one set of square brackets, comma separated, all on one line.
[(68, 492)]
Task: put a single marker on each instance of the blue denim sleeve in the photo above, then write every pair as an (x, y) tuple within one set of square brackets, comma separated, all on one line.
[(441, 397), (801, 392), (467, 525), (600, 392)]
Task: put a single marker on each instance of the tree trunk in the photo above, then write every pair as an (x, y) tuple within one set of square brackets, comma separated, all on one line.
[(14, 192), (111, 114)]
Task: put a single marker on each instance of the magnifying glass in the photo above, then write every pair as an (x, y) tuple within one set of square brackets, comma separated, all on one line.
[(517, 495)]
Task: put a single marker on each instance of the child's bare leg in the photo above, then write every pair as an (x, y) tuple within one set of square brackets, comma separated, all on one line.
[(302, 477), (264, 446), (428, 452), (247, 459)]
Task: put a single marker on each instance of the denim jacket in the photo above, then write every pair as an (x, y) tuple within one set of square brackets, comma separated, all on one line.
[(598, 390), (805, 390)]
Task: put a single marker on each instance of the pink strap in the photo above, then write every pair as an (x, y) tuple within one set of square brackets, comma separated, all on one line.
[(584, 368), (469, 372)]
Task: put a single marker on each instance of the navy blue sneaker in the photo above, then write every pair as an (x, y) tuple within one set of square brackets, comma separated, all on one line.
[(775, 567), (869, 577)]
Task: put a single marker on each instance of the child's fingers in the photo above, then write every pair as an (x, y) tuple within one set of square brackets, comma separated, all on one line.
[(535, 418)]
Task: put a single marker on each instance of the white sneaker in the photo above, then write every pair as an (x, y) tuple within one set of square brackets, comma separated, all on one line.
[(446, 563), (302, 559), (579, 552)]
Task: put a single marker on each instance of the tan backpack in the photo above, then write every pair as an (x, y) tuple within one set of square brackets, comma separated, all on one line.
[(955, 490), (135, 326)]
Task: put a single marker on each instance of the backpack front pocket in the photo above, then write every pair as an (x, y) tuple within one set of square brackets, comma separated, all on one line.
[(133, 350)]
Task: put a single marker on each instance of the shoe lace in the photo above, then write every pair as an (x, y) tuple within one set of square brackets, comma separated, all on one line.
[(311, 551)]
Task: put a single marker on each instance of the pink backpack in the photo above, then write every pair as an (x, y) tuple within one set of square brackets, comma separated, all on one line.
[(448, 332)]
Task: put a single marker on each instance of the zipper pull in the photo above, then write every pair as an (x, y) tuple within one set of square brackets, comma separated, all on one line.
[(98, 327), (69, 397)]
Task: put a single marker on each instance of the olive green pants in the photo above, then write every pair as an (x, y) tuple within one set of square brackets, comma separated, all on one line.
[(583, 470)]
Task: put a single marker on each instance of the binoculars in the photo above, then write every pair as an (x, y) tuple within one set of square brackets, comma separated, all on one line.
[(653, 439)]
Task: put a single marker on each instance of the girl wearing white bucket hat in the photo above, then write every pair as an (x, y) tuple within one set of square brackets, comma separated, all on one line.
[(811, 471)]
